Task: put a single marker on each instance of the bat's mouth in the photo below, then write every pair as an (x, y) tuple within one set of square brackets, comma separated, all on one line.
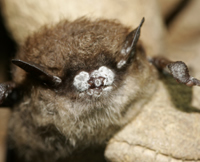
[(97, 92), (94, 83)]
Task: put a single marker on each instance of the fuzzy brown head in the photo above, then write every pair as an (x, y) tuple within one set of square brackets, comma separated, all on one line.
[(86, 78), (81, 59)]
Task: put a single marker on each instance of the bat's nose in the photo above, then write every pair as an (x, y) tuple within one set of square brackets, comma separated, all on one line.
[(96, 82)]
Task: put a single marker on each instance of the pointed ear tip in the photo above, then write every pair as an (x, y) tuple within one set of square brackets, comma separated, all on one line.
[(14, 60), (142, 21)]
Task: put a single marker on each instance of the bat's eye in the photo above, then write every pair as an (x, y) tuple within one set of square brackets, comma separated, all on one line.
[(95, 82)]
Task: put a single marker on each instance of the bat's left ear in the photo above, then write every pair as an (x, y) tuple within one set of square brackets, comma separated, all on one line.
[(129, 46), (37, 72)]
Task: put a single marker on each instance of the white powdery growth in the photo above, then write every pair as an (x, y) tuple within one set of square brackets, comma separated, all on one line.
[(107, 89), (105, 73), (94, 92), (121, 63), (81, 81), (57, 80), (179, 71)]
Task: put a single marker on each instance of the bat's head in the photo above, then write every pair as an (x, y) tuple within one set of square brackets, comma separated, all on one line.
[(88, 78), (85, 61)]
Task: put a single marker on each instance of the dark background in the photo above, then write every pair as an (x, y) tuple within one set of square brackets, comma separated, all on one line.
[(7, 51)]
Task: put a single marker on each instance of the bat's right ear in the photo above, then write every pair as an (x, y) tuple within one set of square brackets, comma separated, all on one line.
[(6, 94), (129, 46), (131, 41)]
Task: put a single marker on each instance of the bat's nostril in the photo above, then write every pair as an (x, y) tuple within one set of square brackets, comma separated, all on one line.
[(96, 82)]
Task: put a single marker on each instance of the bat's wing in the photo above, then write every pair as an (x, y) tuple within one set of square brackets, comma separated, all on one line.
[(178, 70), (7, 91)]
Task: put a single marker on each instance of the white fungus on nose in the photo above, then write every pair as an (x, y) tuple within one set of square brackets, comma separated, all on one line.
[(81, 81), (107, 74)]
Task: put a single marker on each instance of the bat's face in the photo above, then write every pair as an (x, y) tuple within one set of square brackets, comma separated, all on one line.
[(86, 78), (93, 63)]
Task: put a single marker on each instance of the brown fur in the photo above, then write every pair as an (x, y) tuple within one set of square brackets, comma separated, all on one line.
[(50, 123)]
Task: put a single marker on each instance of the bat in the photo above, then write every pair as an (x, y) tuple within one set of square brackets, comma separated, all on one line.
[(75, 84)]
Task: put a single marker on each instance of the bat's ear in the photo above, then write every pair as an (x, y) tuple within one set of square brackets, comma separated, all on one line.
[(37, 72), (131, 41), (129, 46)]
